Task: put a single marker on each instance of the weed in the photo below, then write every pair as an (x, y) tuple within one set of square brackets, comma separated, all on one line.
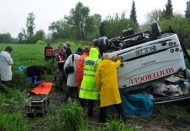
[(70, 118), (13, 122)]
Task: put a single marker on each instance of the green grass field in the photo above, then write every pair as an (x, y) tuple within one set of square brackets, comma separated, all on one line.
[(12, 103)]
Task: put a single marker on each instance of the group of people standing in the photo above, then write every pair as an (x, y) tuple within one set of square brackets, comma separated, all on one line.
[(94, 78)]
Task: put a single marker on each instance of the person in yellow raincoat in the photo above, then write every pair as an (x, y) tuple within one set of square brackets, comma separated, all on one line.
[(107, 84)]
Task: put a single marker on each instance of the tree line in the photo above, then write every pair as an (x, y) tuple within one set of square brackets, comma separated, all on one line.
[(80, 25)]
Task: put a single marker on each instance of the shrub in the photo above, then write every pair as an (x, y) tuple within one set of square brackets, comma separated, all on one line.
[(13, 122), (40, 42), (118, 125), (20, 80), (71, 118), (70, 42)]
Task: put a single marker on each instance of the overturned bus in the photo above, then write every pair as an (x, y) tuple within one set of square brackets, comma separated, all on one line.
[(153, 63)]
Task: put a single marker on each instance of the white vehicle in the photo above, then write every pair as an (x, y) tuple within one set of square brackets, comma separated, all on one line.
[(152, 63)]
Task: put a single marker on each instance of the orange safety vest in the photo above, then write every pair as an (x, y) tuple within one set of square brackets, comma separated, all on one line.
[(79, 69)]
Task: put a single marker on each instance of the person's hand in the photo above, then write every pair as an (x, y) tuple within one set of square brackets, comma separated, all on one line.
[(118, 58)]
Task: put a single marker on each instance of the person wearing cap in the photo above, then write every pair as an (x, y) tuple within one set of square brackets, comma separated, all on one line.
[(71, 79), (79, 66), (6, 62), (88, 90), (107, 85)]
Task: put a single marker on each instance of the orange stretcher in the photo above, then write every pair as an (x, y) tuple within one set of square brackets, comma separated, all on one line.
[(43, 89)]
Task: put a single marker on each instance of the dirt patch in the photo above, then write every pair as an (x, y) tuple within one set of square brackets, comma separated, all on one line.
[(156, 123)]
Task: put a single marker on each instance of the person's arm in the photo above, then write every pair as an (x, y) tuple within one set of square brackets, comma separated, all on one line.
[(97, 76), (55, 64), (8, 59), (118, 61)]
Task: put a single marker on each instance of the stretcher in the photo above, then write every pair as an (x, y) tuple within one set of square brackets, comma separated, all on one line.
[(37, 104)]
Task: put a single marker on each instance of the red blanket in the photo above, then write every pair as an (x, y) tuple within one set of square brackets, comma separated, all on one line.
[(43, 89)]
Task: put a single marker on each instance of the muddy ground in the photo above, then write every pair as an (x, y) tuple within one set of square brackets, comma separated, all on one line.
[(153, 123)]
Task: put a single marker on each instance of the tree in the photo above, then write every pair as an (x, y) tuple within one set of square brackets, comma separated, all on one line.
[(169, 9), (30, 24), (78, 19), (187, 11), (154, 15), (57, 28), (97, 22), (133, 15), (40, 35), (102, 29), (114, 25), (90, 27), (20, 37), (5, 38), (181, 27)]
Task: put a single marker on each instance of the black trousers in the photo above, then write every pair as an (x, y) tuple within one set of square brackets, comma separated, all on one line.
[(71, 90), (103, 113), (90, 106)]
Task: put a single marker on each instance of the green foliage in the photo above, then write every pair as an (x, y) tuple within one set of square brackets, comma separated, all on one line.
[(5, 38), (133, 15), (30, 25), (187, 11), (57, 28), (40, 42), (40, 35), (169, 9), (114, 25), (71, 118), (20, 80), (70, 42), (180, 25), (79, 19), (13, 122), (118, 125)]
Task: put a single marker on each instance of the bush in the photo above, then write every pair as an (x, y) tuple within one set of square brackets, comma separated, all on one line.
[(12, 122), (71, 118), (40, 42), (20, 80), (70, 42)]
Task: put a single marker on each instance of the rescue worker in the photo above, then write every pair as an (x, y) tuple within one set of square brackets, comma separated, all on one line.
[(6, 62), (56, 51), (88, 90), (48, 52), (107, 85), (35, 73), (71, 79), (79, 66), (59, 62)]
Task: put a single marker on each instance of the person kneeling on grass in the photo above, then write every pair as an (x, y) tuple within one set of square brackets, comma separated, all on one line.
[(107, 84), (35, 73)]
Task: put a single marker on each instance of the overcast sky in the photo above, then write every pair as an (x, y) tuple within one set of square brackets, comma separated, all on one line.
[(13, 13)]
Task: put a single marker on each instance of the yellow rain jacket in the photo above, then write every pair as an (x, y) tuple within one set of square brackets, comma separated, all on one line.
[(107, 82), (88, 88)]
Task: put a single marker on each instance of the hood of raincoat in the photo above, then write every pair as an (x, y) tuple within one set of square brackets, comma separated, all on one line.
[(94, 53)]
